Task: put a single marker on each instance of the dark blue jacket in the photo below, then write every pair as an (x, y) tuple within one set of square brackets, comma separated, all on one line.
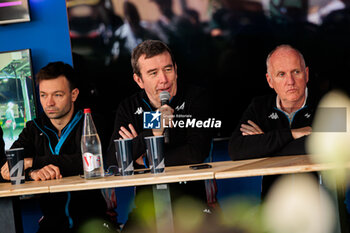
[(41, 142)]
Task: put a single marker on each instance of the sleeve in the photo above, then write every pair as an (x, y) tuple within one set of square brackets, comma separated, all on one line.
[(198, 139), (257, 146), (123, 118), (69, 164), (69, 161), (295, 147), (26, 141)]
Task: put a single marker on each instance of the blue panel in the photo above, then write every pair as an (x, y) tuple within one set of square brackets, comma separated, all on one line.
[(125, 202), (47, 34), (247, 186)]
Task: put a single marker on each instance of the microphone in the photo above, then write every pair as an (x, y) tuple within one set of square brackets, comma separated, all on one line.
[(164, 97)]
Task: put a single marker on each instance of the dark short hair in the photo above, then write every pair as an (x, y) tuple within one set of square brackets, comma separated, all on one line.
[(55, 69), (150, 48)]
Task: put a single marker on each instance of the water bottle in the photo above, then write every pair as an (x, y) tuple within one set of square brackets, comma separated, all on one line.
[(91, 148)]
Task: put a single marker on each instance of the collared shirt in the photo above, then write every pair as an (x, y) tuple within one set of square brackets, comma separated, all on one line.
[(290, 115)]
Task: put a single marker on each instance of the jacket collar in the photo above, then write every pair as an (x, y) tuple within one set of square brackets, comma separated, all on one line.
[(44, 121)]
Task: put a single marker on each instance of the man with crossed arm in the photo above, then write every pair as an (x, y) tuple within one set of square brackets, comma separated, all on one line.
[(277, 124)]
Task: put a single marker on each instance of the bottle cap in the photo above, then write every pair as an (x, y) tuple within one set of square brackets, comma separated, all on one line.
[(87, 110)]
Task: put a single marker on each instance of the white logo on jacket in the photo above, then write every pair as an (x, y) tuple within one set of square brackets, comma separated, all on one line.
[(139, 111), (273, 116), (180, 107), (307, 115)]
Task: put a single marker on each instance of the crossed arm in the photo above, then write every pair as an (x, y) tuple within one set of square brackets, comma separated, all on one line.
[(252, 129)]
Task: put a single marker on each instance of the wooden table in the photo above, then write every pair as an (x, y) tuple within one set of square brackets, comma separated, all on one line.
[(290, 165), (74, 183), (219, 170), (274, 166)]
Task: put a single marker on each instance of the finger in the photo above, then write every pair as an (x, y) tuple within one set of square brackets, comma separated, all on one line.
[(255, 126), (4, 170), (246, 132), (133, 131), (40, 175), (56, 171), (5, 167), (49, 172), (46, 174), (166, 109), (126, 132), (5, 175), (123, 135), (34, 176), (247, 128)]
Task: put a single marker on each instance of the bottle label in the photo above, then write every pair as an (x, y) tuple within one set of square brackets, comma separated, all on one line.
[(91, 161)]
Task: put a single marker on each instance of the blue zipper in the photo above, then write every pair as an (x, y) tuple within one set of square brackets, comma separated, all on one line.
[(66, 131)]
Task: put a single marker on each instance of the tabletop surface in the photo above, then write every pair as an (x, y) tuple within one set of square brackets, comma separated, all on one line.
[(219, 170), (274, 166)]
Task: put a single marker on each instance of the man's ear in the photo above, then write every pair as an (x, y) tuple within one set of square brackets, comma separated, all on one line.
[(75, 94), (139, 81), (269, 80), (307, 74)]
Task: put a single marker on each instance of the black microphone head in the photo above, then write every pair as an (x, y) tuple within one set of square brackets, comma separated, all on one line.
[(164, 97)]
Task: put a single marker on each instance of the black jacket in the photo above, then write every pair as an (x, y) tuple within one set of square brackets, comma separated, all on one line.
[(41, 142), (277, 138), (187, 145)]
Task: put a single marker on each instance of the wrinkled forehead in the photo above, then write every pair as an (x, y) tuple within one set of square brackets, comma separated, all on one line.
[(146, 62), (286, 58)]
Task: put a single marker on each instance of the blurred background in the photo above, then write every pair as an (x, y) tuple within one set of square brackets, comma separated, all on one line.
[(218, 44)]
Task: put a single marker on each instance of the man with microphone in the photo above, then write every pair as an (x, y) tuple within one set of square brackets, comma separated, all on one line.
[(155, 72)]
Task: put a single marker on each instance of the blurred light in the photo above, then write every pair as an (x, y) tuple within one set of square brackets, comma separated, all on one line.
[(296, 204), (332, 147), (188, 215), (96, 225), (242, 214)]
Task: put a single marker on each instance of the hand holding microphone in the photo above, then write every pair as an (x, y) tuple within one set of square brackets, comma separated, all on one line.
[(166, 117)]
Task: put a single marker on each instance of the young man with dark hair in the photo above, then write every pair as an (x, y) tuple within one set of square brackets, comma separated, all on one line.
[(51, 144)]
